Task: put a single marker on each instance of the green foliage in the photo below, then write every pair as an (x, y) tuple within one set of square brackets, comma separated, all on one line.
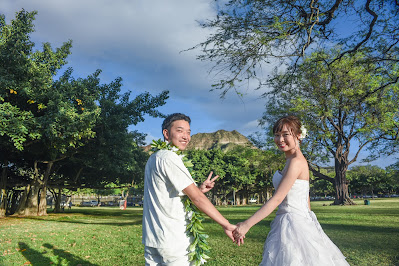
[(118, 155), (159, 144), (348, 94), (16, 124), (248, 34), (349, 114), (322, 187), (241, 169), (64, 132), (42, 110), (370, 179)]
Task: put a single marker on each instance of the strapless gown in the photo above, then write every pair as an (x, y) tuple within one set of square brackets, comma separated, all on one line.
[(296, 237)]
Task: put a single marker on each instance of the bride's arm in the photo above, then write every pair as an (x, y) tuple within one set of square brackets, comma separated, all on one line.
[(293, 172)]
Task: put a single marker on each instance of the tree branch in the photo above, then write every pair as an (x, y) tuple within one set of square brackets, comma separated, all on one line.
[(318, 174), (368, 35)]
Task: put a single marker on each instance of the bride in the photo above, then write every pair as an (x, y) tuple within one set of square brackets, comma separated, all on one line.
[(295, 237)]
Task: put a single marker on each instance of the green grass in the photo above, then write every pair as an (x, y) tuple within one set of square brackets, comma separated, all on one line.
[(366, 234)]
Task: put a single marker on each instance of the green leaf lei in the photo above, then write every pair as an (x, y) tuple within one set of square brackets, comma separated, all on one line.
[(199, 248)]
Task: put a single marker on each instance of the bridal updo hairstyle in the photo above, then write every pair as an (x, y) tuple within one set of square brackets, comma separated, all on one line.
[(292, 123)]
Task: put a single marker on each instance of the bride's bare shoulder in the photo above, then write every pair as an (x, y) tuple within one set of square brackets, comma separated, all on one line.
[(299, 159), (299, 162)]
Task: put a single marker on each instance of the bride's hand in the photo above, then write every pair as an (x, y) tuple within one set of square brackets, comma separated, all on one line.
[(239, 233)]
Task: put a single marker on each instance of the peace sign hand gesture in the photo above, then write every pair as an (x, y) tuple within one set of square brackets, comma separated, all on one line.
[(208, 183)]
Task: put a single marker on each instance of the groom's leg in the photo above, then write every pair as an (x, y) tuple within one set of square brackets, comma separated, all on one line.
[(165, 257), (152, 256)]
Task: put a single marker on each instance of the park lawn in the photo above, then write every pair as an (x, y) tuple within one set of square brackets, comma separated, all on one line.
[(81, 236), (366, 234)]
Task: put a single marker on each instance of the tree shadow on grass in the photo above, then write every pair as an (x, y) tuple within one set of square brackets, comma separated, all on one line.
[(91, 222), (98, 216), (58, 256), (105, 211), (361, 228)]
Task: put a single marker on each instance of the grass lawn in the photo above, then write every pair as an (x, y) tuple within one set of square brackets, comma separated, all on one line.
[(366, 234)]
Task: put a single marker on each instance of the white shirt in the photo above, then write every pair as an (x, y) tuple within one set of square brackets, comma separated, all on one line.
[(164, 222)]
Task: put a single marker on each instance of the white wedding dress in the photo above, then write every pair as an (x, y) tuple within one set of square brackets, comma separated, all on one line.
[(296, 237)]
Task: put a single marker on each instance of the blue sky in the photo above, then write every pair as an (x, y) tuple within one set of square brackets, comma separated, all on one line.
[(142, 42)]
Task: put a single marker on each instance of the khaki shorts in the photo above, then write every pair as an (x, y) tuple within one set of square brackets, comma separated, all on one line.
[(165, 257)]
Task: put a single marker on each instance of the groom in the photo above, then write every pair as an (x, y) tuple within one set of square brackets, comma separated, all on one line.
[(166, 181)]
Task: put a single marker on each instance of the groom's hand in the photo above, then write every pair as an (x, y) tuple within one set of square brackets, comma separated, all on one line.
[(229, 231), (208, 183)]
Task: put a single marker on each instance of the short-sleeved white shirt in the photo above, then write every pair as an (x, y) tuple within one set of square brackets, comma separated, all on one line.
[(164, 222)]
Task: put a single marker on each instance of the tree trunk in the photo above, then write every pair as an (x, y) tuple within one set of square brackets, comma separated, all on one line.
[(217, 201), (22, 202), (30, 201), (42, 208), (341, 185), (214, 198), (244, 197), (57, 201), (238, 199), (268, 193), (13, 199), (3, 191), (244, 200)]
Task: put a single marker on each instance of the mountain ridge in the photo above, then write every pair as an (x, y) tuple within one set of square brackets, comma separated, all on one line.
[(220, 139), (223, 139)]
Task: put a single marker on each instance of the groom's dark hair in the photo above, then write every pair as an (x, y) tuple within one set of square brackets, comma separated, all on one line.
[(167, 123)]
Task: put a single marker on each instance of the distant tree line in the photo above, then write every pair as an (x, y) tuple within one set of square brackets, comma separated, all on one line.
[(247, 173), (363, 180), (243, 172)]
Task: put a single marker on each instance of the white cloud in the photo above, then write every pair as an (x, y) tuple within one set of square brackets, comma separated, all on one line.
[(141, 41), (149, 138), (251, 125)]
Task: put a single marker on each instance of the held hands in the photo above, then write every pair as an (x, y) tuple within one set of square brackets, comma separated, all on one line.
[(208, 183), (239, 233), (229, 231), (236, 232)]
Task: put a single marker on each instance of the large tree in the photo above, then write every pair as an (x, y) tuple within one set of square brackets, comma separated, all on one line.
[(45, 123), (114, 155), (29, 103), (340, 108), (249, 36)]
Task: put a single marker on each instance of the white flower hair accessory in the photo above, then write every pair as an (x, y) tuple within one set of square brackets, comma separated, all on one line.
[(303, 132)]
